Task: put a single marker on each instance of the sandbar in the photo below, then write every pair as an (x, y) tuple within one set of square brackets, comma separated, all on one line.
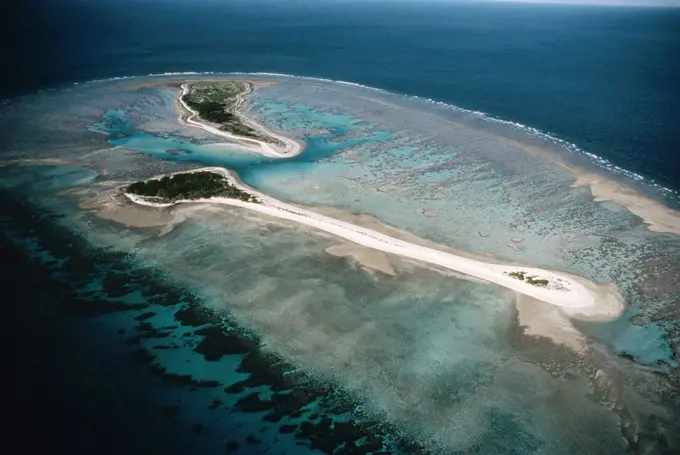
[(366, 257), (563, 290), (654, 214)]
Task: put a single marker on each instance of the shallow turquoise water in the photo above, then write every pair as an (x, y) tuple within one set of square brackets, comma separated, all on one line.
[(496, 58), (431, 355), (440, 179)]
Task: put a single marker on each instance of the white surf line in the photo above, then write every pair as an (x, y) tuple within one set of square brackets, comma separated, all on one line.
[(289, 149), (570, 293)]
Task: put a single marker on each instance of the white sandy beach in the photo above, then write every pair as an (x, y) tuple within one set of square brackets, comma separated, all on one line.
[(564, 290), (286, 148)]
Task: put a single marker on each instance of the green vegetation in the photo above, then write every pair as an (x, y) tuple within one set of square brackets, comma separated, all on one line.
[(213, 111), (522, 276), (518, 275), (216, 102), (189, 185), (537, 282)]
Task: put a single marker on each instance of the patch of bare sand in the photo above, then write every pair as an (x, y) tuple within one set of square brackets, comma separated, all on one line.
[(609, 303), (366, 257), (555, 323), (541, 319), (112, 206), (113, 183), (655, 215), (373, 223)]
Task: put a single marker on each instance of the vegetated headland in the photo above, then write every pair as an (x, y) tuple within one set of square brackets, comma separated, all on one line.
[(218, 101), (189, 186), (214, 106)]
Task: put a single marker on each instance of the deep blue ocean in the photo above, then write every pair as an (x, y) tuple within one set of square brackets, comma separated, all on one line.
[(604, 78)]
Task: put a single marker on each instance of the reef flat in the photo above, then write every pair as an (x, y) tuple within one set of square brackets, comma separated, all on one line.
[(335, 314)]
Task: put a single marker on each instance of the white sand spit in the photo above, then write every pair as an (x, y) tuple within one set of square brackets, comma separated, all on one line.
[(564, 290), (286, 147)]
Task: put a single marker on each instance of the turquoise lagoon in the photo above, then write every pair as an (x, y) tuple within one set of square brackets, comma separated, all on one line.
[(422, 356)]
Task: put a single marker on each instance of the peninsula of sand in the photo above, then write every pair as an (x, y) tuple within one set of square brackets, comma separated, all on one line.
[(269, 143), (575, 295)]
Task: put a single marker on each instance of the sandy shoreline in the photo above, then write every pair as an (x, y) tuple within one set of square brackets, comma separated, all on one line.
[(564, 290), (112, 208), (655, 215), (286, 148)]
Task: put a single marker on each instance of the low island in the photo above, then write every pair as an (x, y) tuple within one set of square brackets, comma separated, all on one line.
[(189, 186), (215, 106), (217, 102)]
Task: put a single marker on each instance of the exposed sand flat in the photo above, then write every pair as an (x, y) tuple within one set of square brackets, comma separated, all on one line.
[(110, 206), (538, 318), (285, 149), (555, 323), (610, 302), (657, 216), (366, 257), (373, 223), (563, 290), (654, 214), (543, 320)]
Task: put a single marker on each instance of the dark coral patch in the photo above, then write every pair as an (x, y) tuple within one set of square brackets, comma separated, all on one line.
[(231, 446), (218, 342), (171, 410), (287, 428)]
